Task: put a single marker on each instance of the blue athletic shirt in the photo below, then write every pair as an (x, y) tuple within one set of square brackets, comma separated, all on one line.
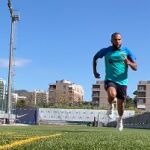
[(115, 68)]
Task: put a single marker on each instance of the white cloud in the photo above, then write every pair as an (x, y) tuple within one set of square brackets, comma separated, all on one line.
[(20, 62)]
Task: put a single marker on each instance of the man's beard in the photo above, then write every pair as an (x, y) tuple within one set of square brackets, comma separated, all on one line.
[(117, 47)]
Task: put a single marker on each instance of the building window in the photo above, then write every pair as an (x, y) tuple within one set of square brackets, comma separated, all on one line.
[(141, 88), (141, 101), (64, 87)]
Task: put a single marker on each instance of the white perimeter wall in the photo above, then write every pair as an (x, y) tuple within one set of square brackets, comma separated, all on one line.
[(77, 115)]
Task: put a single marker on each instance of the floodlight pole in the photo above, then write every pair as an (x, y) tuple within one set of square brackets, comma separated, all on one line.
[(14, 18)]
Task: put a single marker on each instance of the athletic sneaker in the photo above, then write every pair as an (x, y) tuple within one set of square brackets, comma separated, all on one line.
[(110, 111), (119, 124)]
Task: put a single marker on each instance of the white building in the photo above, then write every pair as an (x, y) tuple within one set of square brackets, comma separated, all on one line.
[(65, 91), (2, 94)]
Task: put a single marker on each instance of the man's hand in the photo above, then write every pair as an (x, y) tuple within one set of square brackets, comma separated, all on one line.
[(133, 65), (127, 61), (97, 75)]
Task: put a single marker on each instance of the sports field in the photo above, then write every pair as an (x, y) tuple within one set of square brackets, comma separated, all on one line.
[(58, 137)]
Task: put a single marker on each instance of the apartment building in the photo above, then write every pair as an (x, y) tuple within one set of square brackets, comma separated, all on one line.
[(65, 91), (143, 95), (39, 97), (16, 97), (2, 94), (99, 95), (31, 98)]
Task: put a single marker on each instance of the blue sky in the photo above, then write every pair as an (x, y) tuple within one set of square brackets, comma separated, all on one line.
[(56, 39)]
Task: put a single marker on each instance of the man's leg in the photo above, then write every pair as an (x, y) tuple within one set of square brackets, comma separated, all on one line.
[(121, 95), (111, 92), (120, 106)]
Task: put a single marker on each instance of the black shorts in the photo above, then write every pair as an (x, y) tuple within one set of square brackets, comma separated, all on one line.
[(120, 89)]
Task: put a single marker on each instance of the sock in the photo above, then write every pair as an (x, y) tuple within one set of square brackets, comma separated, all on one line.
[(120, 117)]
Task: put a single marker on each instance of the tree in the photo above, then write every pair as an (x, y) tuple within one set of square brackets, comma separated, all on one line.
[(129, 102), (21, 103)]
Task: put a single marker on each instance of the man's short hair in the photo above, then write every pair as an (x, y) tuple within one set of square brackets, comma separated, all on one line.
[(115, 33)]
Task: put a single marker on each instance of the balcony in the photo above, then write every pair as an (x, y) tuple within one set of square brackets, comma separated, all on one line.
[(141, 106), (96, 89), (95, 95), (141, 89), (52, 89)]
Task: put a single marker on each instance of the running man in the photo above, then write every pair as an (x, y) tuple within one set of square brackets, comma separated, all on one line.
[(117, 60)]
